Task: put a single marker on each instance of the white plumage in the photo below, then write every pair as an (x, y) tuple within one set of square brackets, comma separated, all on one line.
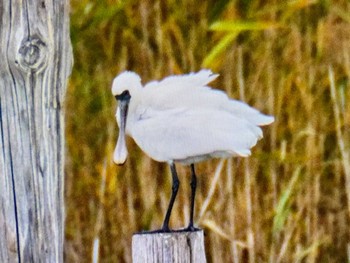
[(182, 119)]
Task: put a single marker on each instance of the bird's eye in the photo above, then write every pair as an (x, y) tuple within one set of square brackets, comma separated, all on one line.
[(125, 95)]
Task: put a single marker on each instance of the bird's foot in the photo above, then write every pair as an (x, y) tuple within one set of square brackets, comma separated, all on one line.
[(162, 230), (191, 228), (157, 231)]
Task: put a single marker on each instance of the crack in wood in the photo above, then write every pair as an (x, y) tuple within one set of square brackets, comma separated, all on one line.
[(188, 239), (15, 206)]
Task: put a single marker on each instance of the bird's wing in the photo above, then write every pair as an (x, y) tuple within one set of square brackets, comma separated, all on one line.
[(185, 81), (191, 91), (189, 133)]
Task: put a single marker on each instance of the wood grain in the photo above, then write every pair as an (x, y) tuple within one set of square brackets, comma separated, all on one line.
[(178, 247), (36, 60)]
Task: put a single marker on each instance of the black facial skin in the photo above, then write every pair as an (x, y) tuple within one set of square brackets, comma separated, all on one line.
[(124, 96)]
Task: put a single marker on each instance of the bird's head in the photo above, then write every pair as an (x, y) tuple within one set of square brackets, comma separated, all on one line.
[(125, 82), (123, 88)]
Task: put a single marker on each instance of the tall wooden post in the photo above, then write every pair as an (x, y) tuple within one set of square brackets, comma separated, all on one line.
[(35, 61)]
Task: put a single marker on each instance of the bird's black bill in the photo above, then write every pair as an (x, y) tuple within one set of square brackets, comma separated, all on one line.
[(121, 152), (124, 107)]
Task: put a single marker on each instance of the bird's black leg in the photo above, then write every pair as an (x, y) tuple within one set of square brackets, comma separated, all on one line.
[(193, 194), (175, 188)]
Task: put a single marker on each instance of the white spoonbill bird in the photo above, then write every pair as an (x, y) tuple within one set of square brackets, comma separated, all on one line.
[(181, 120)]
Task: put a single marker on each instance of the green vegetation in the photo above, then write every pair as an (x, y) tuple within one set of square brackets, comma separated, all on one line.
[(288, 202)]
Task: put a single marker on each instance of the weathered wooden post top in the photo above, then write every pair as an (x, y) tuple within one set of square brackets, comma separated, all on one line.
[(172, 247), (36, 59)]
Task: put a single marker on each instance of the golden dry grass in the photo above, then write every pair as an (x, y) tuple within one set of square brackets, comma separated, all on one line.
[(288, 202)]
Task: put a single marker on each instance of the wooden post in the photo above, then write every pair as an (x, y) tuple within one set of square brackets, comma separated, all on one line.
[(36, 60), (175, 247)]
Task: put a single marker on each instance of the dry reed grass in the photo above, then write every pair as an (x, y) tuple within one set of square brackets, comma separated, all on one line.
[(290, 201)]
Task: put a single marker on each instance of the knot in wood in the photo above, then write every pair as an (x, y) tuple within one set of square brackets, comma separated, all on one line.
[(33, 54)]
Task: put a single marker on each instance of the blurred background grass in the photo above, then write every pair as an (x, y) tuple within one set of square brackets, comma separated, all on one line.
[(290, 201)]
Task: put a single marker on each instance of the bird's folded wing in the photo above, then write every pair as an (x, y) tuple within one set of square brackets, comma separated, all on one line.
[(201, 78), (191, 91), (193, 133)]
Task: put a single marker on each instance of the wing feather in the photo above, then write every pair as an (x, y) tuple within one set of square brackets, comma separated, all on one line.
[(191, 91), (194, 133)]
